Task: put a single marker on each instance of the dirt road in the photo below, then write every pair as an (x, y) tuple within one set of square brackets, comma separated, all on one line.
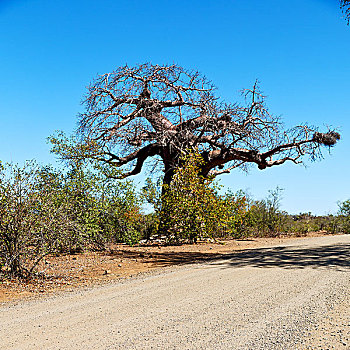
[(295, 296)]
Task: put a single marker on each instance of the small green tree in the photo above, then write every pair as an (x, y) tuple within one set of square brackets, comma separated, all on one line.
[(236, 206), (152, 195), (191, 207), (344, 208), (344, 214)]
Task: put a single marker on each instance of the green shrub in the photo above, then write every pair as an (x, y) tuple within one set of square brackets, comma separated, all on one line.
[(35, 219), (265, 217), (344, 216), (191, 207)]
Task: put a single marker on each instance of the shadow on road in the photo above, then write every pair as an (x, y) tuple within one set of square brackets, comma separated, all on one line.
[(330, 256)]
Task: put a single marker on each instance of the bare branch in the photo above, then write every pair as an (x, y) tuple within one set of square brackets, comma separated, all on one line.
[(138, 112), (345, 6)]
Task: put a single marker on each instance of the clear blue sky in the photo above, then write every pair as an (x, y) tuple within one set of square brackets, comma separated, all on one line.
[(299, 50)]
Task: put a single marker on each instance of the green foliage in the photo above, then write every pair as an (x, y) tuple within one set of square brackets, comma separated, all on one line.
[(265, 217), (45, 211), (234, 213), (191, 207), (152, 194), (304, 223), (70, 149), (121, 215), (108, 208), (344, 208), (84, 206), (344, 215), (35, 218)]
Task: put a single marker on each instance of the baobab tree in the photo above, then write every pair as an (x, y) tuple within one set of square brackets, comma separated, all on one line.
[(137, 113)]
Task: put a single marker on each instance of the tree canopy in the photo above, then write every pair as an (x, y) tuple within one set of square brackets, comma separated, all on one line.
[(146, 111)]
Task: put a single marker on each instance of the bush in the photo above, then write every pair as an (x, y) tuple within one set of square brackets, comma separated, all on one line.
[(45, 211), (344, 216), (234, 208), (34, 218), (109, 209), (264, 216), (191, 207)]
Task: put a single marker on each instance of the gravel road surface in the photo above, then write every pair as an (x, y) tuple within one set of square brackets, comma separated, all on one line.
[(292, 296)]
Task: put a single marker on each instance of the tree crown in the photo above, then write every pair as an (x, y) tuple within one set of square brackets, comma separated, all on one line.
[(135, 113)]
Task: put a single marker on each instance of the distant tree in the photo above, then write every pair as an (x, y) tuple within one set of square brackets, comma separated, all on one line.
[(344, 215), (344, 208), (345, 6), (147, 111)]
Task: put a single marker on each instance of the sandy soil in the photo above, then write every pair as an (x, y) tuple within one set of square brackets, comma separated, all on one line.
[(293, 294)]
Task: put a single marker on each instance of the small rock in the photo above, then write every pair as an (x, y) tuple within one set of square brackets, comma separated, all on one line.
[(107, 272)]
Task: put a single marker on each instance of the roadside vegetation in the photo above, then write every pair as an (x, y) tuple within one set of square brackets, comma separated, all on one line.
[(82, 206), (172, 120)]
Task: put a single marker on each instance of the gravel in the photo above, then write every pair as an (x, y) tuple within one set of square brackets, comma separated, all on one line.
[(295, 296)]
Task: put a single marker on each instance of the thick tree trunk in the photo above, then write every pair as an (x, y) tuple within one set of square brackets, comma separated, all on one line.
[(168, 176)]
